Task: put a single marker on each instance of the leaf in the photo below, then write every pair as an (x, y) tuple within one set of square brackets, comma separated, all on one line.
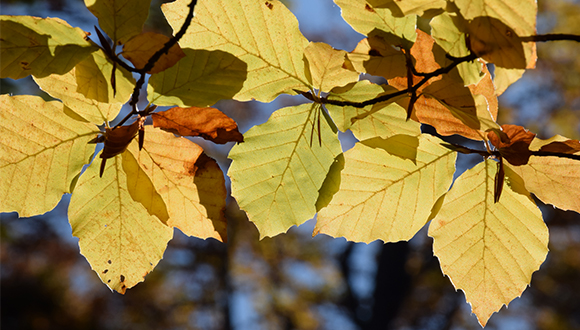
[(385, 195), (365, 18), (191, 184), (408, 7), (86, 90), (278, 170), (448, 31), (383, 119), (117, 235), (489, 250), (139, 49), (209, 123), (117, 140), (327, 66), (42, 150), (444, 102), (556, 144), (200, 79), (516, 149), (373, 55), (503, 78), (120, 19), (553, 180), (40, 46), (263, 34)]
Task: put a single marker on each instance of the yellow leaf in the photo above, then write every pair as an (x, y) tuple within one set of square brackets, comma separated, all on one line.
[(489, 250), (553, 180), (387, 189), (42, 150), (199, 79), (408, 7), (87, 91), (373, 55), (365, 18), (383, 119), (120, 239), (503, 78), (263, 34), (120, 19), (190, 183), (277, 172), (327, 67), (142, 47), (40, 46)]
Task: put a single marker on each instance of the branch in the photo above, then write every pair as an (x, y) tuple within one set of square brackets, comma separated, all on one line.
[(551, 37)]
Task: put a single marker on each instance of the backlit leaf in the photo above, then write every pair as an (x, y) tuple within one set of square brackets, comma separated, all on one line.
[(200, 79), (190, 183), (42, 150), (40, 46), (515, 149), (278, 170), (120, 19), (87, 91), (142, 47), (327, 66), (408, 7), (553, 180), (117, 235), (373, 55), (489, 250), (263, 34), (209, 123), (388, 195), (380, 120), (503, 78), (364, 18)]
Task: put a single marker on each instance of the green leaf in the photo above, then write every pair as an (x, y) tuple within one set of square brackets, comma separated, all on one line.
[(117, 235), (42, 150), (200, 79), (264, 34), (365, 18), (449, 32), (40, 46), (120, 19), (489, 250), (87, 91), (388, 195), (190, 183), (278, 170), (383, 119), (327, 67)]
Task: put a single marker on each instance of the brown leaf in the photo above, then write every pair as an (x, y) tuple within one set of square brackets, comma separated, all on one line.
[(139, 49), (563, 147), (471, 115), (209, 123), (516, 148), (117, 140)]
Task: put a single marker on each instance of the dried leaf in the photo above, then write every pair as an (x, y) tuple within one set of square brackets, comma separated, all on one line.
[(117, 140), (516, 148), (208, 123), (143, 46)]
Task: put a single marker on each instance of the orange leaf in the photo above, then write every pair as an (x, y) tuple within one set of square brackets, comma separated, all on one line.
[(209, 123), (516, 149), (441, 93), (563, 147), (140, 48)]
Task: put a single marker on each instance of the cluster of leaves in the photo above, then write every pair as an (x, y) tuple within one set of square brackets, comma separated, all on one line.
[(489, 235)]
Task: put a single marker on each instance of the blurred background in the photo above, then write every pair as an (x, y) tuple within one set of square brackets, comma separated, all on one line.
[(294, 281)]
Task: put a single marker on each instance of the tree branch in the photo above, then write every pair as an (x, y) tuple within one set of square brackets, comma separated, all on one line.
[(551, 37)]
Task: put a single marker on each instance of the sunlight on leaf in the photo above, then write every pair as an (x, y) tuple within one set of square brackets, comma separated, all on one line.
[(190, 183), (40, 46), (373, 55), (327, 66), (263, 34), (42, 150), (385, 195), (120, 19), (489, 250), (117, 235), (139, 49), (86, 89), (277, 172), (408, 7)]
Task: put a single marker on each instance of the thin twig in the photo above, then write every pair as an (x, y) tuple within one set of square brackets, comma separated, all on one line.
[(551, 37)]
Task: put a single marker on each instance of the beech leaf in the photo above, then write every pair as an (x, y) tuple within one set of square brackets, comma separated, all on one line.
[(120, 19), (327, 66), (374, 55), (208, 123), (489, 250), (516, 148), (139, 49), (408, 7)]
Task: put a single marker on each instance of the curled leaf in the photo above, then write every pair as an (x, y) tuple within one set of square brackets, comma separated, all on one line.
[(116, 141), (208, 123), (516, 148)]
